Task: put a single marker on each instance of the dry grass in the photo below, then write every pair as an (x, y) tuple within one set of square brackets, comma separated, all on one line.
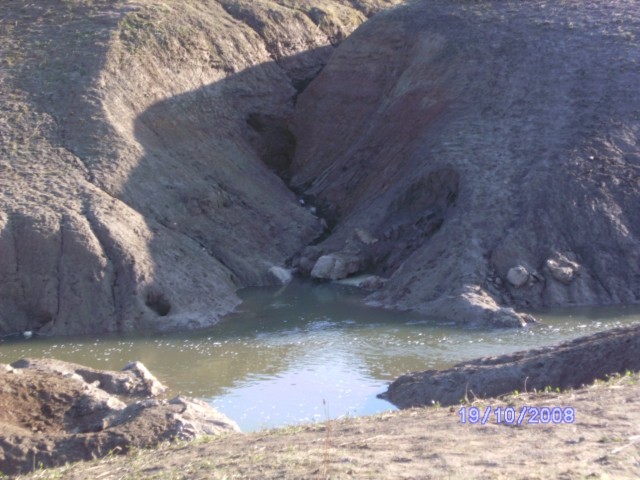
[(419, 443)]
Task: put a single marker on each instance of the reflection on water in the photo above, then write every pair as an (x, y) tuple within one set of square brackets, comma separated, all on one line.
[(308, 353)]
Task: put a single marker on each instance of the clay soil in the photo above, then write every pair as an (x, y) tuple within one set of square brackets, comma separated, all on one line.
[(31, 406), (604, 443)]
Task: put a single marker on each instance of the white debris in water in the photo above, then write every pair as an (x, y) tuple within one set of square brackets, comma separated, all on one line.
[(283, 275)]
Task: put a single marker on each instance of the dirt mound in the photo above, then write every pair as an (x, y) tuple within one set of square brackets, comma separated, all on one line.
[(51, 415), (568, 365)]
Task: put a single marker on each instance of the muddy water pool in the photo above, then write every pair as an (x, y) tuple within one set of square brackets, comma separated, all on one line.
[(308, 353)]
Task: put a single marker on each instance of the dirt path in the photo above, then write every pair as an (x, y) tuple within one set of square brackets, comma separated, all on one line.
[(603, 443)]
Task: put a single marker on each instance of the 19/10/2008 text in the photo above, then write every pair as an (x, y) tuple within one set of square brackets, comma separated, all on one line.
[(517, 416)]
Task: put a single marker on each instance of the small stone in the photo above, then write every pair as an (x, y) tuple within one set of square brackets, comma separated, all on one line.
[(194, 418), (373, 282), (561, 268), (323, 267), (365, 237), (8, 369), (518, 276), (148, 384), (336, 266)]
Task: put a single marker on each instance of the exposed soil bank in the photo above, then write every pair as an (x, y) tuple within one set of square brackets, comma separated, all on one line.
[(54, 412), (430, 443), (568, 365)]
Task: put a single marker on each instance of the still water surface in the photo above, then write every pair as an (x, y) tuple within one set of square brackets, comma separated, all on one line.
[(307, 353)]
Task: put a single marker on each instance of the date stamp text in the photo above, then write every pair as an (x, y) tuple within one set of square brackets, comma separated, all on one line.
[(517, 415)]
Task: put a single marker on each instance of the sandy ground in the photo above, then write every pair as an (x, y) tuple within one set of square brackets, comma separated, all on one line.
[(602, 443)]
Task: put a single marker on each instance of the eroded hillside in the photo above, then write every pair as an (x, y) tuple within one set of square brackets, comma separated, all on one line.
[(133, 188), (481, 156), (490, 152)]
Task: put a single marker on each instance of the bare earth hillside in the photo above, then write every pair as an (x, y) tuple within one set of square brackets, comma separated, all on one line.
[(488, 149), (479, 158), (138, 145)]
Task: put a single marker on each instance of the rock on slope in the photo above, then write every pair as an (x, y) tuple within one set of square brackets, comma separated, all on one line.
[(138, 148), (488, 149)]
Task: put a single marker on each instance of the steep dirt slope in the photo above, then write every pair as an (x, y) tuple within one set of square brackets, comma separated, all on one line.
[(483, 155), (133, 191)]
